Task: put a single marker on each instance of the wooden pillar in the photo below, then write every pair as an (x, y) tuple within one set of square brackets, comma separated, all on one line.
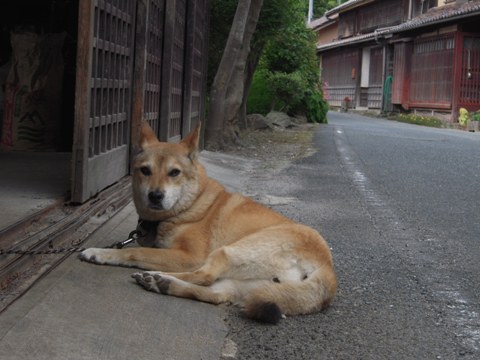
[(82, 100), (138, 96), (167, 63), (457, 74), (190, 26)]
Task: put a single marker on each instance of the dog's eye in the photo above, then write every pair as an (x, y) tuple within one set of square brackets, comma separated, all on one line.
[(174, 173), (145, 170)]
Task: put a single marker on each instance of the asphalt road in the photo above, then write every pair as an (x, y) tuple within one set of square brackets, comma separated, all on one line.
[(399, 205)]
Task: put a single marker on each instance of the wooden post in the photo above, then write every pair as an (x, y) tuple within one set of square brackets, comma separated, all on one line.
[(168, 43), (138, 91), (457, 74), (82, 100), (190, 26)]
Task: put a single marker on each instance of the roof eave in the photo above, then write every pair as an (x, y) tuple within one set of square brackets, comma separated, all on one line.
[(347, 6), (403, 27)]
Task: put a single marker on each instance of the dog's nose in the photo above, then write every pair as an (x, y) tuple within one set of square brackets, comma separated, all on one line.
[(156, 197)]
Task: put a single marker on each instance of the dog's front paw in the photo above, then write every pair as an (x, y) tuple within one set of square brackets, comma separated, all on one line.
[(95, 255)]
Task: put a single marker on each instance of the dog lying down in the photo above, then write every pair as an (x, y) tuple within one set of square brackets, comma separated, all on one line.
[(216, 246)]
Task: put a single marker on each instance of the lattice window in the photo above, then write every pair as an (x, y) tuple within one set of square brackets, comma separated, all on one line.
[(175, 118), (432, 72), (434, 45), (339, 75), (470, 83), (111, 75), (155, 29), (198, 63)]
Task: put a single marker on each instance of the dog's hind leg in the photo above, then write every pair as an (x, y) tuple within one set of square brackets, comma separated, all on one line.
[(166, 284), (216, 264)]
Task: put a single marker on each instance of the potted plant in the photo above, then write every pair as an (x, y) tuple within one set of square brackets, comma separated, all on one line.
[(462, 116), (345, 104)]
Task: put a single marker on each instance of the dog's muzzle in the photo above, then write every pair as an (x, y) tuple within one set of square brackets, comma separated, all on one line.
[(155, 199)]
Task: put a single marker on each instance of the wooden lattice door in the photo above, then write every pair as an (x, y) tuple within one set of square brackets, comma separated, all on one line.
[(469, 96), (103, 95)]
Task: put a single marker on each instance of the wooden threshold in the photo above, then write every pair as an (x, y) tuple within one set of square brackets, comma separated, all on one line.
[(60, 225)]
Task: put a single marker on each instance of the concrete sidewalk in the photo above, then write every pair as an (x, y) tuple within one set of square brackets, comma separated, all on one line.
[(85, 311)]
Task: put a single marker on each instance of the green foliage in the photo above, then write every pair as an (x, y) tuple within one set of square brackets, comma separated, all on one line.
[(476, 115), (463, 116), (293, 50), (289, 49), (420, 120), (260, 98), (321, 6), (315, 107), (273, 18), (294, 46), (290, 69), (287, 90)]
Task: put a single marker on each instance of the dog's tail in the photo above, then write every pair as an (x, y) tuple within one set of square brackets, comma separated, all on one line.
[(270, 302)]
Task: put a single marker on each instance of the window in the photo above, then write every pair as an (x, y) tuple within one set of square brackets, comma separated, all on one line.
[(428, 4)]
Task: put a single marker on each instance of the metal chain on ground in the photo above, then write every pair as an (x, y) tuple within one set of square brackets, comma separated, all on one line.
[(60, 250), (73, 249)]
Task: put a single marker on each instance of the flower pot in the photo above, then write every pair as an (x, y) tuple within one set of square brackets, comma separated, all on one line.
[(473, 126), (345, 105), (476, 126)]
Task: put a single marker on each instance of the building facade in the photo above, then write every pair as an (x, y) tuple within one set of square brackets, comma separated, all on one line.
[(402, 54)]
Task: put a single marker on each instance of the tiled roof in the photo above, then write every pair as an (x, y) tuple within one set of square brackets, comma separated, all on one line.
[(320, 23), (345, 5), (347, 41), (438, 15)]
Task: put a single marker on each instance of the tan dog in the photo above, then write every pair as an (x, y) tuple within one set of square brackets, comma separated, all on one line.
[(219, 247)]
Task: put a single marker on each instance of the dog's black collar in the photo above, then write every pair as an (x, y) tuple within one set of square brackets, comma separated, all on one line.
[(146, 227)]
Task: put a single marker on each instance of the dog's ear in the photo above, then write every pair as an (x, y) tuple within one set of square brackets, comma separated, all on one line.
[(192, 140), (147, 136)]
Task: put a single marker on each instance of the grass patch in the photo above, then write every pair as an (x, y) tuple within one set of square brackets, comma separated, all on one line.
[(418, 120)]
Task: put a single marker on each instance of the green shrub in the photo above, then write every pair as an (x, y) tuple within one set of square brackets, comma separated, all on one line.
[(476, 115), (260, 98), (287, 90), (287, 78), (316, 107), (420, 120)]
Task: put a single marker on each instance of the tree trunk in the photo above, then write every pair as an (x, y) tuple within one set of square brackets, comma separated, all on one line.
[(236, 88), (227, 88), (252, 63)]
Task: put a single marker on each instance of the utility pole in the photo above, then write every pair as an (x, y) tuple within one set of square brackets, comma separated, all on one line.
[(310, 11)]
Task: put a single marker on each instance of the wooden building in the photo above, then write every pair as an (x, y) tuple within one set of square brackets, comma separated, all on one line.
[(404, 54), (122, 61), (143, 59), (126, 60)]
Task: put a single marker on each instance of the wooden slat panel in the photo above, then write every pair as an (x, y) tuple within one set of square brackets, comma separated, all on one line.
[(102, 122), (339, 75), (470, 81), (375, 81), (432, 71), (111, 75), (401, 73), (177, 72), (198, 66), (379, 14), (374, 15), (375, 97), (112, 161), (153, 77), (82, 101)]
